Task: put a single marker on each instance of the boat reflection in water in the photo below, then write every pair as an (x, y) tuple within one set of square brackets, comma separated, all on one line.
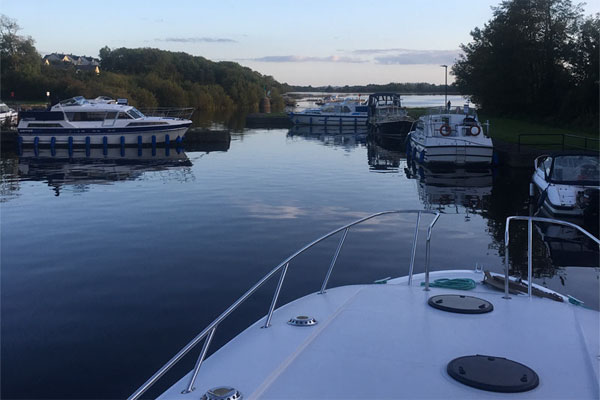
[(453, 190), (61, 167), (339, 136), (385, 152)]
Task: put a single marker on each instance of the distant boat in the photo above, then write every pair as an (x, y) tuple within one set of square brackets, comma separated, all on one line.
[(453, 136), (346, 113), (99, 121), (8, 116)]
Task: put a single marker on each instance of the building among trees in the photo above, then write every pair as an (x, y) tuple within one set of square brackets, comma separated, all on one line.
[(81, 63)]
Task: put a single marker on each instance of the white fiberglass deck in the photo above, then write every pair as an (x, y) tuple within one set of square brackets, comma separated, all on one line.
[(385, 341)]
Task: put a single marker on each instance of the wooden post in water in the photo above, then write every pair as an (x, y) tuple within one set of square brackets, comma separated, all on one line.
[(265, 105)]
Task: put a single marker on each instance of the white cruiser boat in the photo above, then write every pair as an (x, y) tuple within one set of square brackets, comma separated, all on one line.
[(346, 113), (567, 184), (97, 122), (450, 136), (417, 336)]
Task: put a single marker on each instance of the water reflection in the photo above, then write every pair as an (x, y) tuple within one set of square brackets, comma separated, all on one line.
[(93, 166), (385, 152), (342, 136), (453, 190)]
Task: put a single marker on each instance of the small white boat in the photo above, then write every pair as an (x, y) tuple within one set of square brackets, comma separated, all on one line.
[(386, 114), (567, 184), (407, 338), (97, 122), (346, 113), (450, 136), (8, 116)]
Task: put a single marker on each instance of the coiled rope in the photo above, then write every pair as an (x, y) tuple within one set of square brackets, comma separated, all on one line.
[(458, 284)]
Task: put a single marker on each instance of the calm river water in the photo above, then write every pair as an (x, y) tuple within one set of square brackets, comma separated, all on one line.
[(110, 264)]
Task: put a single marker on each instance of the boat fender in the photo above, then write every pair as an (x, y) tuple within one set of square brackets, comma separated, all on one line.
[(474, 130), (531, 190), (445, 130)]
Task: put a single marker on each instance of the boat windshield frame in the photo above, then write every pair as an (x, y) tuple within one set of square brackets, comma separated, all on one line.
[(135, 113), (583, 182)]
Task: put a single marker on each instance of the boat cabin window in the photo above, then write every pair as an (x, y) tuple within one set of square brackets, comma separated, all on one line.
[(135, 113), (111, 115), (576, 169), (123, 115), (4, 108), (346, 109), (85, 116)]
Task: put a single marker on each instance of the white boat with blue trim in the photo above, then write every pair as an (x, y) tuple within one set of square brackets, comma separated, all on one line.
[(458, 334), (101, 121), (451, 136), (346, 113)]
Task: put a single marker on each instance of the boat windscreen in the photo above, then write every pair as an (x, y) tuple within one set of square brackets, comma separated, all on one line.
[(135, 113), (576, 169)]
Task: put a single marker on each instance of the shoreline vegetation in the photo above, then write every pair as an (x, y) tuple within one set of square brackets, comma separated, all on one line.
[(534, 67)]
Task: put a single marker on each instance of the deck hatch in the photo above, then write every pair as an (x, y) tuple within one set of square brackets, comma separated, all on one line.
[(461, 304), (494, 374)]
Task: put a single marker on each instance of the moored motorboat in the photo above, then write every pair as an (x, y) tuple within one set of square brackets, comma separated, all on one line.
[(567, 184), (452, 136), (346, 113), (98, 121), (407, 337), (386, 114)]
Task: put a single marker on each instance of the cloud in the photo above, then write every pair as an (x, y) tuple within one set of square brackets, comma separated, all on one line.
[(410, 57), (333, 59), (420, 57), (197, 40)]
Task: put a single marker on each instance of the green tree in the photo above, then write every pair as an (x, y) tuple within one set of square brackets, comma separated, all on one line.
[(528, 58)]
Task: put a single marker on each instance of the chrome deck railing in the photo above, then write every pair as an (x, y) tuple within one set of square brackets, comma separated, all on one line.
[(209, 331), (169, 112), (530, 221)]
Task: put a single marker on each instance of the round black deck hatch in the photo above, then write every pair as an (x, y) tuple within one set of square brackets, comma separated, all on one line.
[(494, 374), (457, 303)]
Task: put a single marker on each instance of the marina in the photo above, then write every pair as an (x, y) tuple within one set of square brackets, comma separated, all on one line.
[(213, 211), (234, 201)]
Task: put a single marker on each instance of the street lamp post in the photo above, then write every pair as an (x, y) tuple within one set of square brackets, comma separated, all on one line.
[(446, 87)]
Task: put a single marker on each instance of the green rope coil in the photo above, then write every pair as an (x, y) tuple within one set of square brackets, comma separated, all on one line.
[(458, 284)]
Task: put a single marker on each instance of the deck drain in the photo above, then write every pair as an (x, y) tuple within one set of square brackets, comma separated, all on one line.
[(461, 304), (302, 320), (222, 393), (494, 374)]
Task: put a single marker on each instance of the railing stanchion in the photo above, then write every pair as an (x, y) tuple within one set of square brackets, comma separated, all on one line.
[(529, 255), (427, 251), (272, 308), (506, 259), (333, 260), (207, 341), (414, 250)]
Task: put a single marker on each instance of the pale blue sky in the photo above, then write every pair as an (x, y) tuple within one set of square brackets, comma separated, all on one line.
[(303, 42)]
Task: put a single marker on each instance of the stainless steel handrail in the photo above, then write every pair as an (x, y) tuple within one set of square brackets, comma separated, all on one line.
[(211, 328), (530, 221)]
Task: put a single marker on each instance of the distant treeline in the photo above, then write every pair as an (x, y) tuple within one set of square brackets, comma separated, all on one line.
[(147, 77), (421, 87), (535, 59)]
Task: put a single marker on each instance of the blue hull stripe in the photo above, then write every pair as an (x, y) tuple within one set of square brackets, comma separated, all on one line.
[(98, 131)]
